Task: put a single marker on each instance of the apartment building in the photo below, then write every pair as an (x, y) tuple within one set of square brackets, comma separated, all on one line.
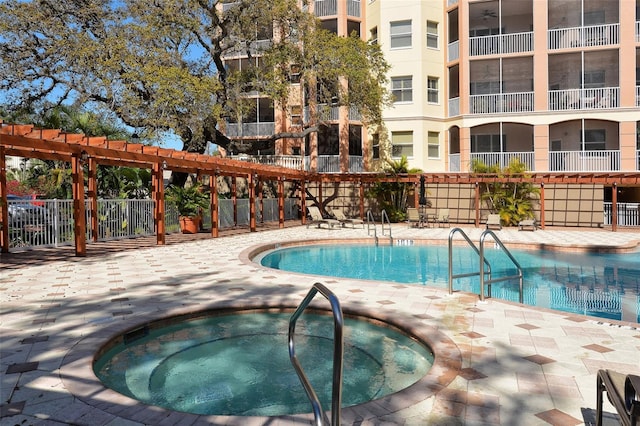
[(342, 143)]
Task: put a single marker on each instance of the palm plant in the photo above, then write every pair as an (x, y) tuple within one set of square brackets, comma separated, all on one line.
[(393, 196), (189, 200)]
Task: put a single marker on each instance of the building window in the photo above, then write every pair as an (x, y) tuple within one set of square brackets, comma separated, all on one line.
[(594, 140), (400, 34), (432, 35), (401, 89), (433, 145), (294, 74), (402, 144), (353, 27), (373, 35), (296, 115), (432, 90), (376, 145)]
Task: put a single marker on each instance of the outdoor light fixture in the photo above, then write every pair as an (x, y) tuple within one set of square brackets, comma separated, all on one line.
[(135, 138), (84, 157), (164, 165)]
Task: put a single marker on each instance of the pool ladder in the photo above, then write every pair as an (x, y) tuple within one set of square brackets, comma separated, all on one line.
[(485, 274), (320, 417), (371, 223)]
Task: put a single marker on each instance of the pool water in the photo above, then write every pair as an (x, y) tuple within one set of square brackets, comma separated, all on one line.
[(602, 285), (239, 364)]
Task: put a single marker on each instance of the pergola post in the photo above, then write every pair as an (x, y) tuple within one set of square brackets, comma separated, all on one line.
[(280, 203), (614, 207), (260, 199), (92, 194), (303, 203), (542, 205), (213, 187), (252, 202), (477, 204), (158, 196), (79, 218), (361, 200), (234, 200), (4, 209)]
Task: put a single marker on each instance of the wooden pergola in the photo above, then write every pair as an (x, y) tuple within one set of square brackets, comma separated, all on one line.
[(79, 150)]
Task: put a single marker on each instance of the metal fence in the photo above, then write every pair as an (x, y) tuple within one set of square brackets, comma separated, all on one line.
[(628, 214), (42, 223)]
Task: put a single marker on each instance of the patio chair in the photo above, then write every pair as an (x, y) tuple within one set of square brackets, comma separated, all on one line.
[(623, 391), (414, 218), (527, 224), (317, 219), (493, 222), (339, 215), (443, 217)]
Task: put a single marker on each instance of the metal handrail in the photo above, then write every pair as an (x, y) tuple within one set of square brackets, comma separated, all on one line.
[(382, 220), (468, 274), (338, 349), (371, 222), (508, 253)]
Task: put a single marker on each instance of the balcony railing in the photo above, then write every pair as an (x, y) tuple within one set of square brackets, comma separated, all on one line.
[(454, 107), (288, 161), (454, 162), (250, 129), (453, 51), (325, 112), (353, 8), (504, 158), (637, 31), (326, 7), (584, 161), (501, 102), (568, 99), (595, 35), (501, 44), (331, 164)]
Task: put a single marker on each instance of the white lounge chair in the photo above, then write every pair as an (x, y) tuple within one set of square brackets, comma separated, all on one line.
[(414, 218), (527, 224), (339, 215), (493, 222), (317, 219), (442, 218)]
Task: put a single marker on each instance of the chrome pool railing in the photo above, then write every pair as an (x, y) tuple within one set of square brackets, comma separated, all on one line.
[(338, 350), (473, 246)]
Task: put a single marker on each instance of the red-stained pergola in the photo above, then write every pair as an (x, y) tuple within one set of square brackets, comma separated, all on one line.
[(78, 149)]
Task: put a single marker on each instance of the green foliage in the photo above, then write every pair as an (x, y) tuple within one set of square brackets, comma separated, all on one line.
[(189, 201), (159, 66), (393, 196), (513, 201)]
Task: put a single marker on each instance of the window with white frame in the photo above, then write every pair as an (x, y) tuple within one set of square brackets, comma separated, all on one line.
[(432, 35), (402, 144), (402, 89), (432, 90), (373, 35), (400, 34), (433, 144)]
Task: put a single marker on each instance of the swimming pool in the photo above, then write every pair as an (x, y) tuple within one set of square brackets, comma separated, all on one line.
[(237, 364), (602, 285)]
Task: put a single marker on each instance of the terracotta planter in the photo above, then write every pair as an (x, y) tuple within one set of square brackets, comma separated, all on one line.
[(189, 225)]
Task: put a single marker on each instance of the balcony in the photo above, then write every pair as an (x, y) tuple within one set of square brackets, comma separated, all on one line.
[(454, 107), (234, 130), (501, 103), (584, 161), (454, 162), (453, 51), (325, 7), (287, 161), (595, 35), (328, 112), (331, 164), (353, 8), (501, 44), (571, 99), (503, 158)]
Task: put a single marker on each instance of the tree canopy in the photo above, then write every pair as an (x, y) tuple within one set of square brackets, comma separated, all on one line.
[(159, 65)]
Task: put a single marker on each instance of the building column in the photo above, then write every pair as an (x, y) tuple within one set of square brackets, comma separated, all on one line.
[(465, 149), (541, 147), (627, 145)]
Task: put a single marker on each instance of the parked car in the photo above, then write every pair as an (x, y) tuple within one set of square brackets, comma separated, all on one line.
[(25, 215)]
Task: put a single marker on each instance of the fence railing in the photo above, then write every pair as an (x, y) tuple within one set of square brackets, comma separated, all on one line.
[(454, 162), (628, 214), (331, 164), (325, 7), (288, 161), (594, 35), (42, 223), (501, 102), (504, 158), (501, 44), (453, 51), (598, 98), (454, 107), (584, 161)]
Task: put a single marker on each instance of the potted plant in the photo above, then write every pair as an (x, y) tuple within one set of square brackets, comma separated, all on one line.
[(190, 201)]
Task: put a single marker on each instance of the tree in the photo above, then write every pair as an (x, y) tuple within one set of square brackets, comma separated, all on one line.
[(159, 66), (393, 196), (513, 201)]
